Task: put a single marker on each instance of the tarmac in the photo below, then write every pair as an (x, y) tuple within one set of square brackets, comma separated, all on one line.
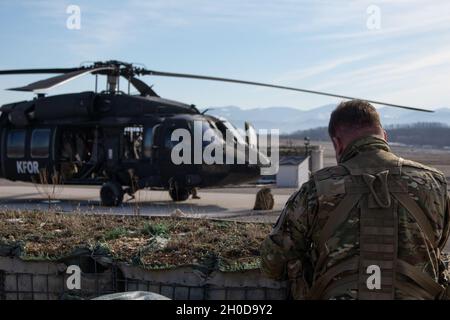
[(226, 203)]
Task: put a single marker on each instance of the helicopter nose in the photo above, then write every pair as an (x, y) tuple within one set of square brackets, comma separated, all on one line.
[(247, 173), (263, 160), (251, 171), (258, 158)]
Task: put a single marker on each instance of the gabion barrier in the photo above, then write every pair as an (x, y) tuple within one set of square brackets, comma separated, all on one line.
[(48, 280)]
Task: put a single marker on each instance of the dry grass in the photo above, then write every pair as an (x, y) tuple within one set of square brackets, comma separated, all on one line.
[(150, 242)]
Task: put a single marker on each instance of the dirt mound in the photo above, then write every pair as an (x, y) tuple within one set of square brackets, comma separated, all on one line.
[(150, 242)]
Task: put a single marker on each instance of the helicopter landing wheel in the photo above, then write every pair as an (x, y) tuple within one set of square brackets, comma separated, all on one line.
[(111, 194), (179, 193)]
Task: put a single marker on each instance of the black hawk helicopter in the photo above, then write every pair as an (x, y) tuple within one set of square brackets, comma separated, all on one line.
[(114, 139)]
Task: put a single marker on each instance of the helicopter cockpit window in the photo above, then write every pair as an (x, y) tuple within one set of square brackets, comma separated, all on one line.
[(16, 144), (225, 126), (133, 140), (40, 142), (212, 132)]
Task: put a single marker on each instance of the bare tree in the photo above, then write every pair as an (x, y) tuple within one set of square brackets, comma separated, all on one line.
[(135, 193), (48, 184)]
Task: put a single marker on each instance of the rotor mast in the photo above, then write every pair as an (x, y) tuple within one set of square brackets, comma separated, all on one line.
[(113, 75), (112, 84)]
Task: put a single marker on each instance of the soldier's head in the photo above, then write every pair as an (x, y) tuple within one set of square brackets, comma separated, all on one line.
[(352, 120)]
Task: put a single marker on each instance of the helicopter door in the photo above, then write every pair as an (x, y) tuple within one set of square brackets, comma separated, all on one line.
[(165, 146), (157, 144), (15, 146), (150, 145), (112, 147), (40, 150), (28, 152)]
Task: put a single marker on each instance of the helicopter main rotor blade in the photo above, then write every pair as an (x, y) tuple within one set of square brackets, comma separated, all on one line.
[(38, 71), (58, 80), (143, 88), (200, 77)]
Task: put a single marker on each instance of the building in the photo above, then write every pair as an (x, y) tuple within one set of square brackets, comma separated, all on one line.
[(293, 171)]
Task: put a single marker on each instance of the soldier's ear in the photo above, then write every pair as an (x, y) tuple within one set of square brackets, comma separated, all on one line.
[(336, 143), (338, 146), (385, 135)]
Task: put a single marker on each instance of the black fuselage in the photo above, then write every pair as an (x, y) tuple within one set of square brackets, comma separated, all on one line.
[(91, 138)]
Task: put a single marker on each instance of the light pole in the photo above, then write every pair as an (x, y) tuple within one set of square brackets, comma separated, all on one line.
[(307, 143)]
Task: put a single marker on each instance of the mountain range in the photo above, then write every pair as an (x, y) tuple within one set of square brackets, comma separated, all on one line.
[(288, 119)]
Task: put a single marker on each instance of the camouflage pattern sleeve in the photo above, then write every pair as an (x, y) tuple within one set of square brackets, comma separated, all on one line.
[(428, 187), (444, 271), (446, 227), (284, 251)]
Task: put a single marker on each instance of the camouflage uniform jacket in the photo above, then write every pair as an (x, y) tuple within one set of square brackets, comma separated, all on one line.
[(291, 251)]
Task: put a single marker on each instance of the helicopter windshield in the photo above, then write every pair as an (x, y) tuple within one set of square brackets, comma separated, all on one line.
[(224, 125), (210, 129)]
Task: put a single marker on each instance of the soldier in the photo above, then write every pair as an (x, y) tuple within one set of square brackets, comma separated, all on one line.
[(372, 227)]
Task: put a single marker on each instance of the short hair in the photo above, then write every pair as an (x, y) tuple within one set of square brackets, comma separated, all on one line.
[(353, 115)]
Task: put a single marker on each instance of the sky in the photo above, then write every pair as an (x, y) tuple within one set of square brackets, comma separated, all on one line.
[(396, 51)]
